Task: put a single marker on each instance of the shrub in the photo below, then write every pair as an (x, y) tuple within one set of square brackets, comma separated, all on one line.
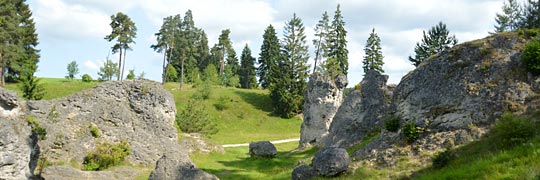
[(131, 75), (194, 119), (40, 131), (106, 155), (31, 87), (203, 91), (87, 78), (531, 57), (222, 103), (94, 130), (411, 132), (511, 129), (357, 87), (392, 124), (442, 159)]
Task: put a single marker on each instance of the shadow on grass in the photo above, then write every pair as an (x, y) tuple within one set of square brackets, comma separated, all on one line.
[(259, 101), (279, 167)]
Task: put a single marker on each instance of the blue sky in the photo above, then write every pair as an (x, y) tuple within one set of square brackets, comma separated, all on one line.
[(73, 30)]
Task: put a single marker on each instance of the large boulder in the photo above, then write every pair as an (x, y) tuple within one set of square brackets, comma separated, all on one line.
[(330, 162), (170, 167), (323, 97), (304, 172), (361, 111), (19, 150), (262, 149)]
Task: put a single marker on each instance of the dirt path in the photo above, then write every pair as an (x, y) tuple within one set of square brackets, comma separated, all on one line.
[(273, 142)]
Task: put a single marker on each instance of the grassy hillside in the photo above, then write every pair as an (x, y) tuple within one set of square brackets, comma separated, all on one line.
[(57, 87)]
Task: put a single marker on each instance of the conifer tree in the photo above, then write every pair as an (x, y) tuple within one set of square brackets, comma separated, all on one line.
[(288, 77), (373, 60), (338, 44), (269, 56), (124, 31), (247, 69), (436, 40), (9, 44), (531, 15), (165, 41), (322, 31), (510, 18)]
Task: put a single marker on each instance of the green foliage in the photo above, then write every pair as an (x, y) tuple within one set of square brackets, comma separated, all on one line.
[(436, 40), (441, 159), (86, 78), (512, 130), (73, 69), (131, 75), (223, 103), (204, 90), (31, 87), (358, 86), (141, 75), (531, 57), (124, 31), (269, 56), (373, 60), (210, 75), (510, 18), (94, 130), (171, 74), (529, 15), (53, 115), (392, 124), (411, 132), (108, 70), (229, 79), (337, 49), (321, 42), (247, 70), (195, 119), (106, 155), (40, 131)]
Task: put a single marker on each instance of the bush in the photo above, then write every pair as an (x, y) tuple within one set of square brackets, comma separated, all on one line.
[(392, 124), (86, 78), (94, 130), (222, 103), (512, 130), (40, 131), (203, 91), (194, 119), (106, 155), (357, 87), (411, 132), (442, 159), (31, 87), (131, 75), (531, 57)]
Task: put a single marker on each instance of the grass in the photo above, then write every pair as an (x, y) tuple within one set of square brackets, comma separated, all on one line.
[(236, 163), (57, 87), (247, 117)]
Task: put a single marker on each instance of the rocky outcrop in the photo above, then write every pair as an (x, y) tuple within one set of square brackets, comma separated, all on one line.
[(323, 97), (304, 172), (19, 151), (361, 111), (262, 149), (171, 167), (330, 162)]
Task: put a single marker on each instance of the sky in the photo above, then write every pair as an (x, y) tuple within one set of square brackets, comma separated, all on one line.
[(74, 30)]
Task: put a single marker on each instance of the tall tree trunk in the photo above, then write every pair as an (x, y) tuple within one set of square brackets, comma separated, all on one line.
[(2, 70), (183, 56), (164, 75), (118, 75), (170, 56), (222, 62), (123, 64), (317, 54)]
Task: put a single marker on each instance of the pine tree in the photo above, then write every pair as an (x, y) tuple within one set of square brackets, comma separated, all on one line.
[(165, 41), (124, 31), (269, 56), (28, 57), (436, 40), (288, 77), (373, 60), (225, 45), (9, 45), (322, 32), (510, 18), (531, 15), (247, 69), (338, 43)]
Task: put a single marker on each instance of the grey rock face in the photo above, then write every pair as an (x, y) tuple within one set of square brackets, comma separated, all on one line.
[(331, 161), (304, 172), (360, 112), (323, 97), (18, 145), (262, 149), (171, 167), (69, 173)]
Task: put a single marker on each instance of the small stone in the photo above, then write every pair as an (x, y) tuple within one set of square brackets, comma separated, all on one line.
[(262, 149)]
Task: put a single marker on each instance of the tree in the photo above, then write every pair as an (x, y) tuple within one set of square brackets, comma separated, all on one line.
[(124, 31), (322, 32), (210, 75), (165, 41), (531, 15), (510, 18), (172, 74), (31, 86), (73, 70), (288, 77), (227, 51), (436, 40), (9, 46), (337, 50), (108, 70), (131, 75), (373, 60), (247, 69), (269, 55)]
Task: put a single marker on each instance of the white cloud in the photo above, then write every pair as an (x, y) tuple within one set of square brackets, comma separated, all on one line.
[(93, 65)]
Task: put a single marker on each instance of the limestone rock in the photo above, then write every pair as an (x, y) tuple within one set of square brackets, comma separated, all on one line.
[(65, 172), (172, 167), (331, 161), (323, 97), (360, 112), (304, 172), (262, 149)]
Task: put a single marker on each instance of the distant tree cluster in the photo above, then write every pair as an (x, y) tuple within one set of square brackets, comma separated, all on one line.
[(518, 16), (436, 40)]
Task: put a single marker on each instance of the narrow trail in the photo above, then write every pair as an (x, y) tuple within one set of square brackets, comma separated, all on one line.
[(273, 142)]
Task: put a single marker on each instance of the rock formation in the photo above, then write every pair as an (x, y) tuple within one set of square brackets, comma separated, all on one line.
[(327, 162), (304, 172), (172, 167), (262, 149), (361, 111), (323, 97)]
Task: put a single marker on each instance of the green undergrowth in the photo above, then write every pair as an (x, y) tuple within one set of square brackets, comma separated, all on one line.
[(241, 115), (236, 163), (57, 87)]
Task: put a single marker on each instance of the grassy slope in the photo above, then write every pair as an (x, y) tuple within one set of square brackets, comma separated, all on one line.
[(57, 87)]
